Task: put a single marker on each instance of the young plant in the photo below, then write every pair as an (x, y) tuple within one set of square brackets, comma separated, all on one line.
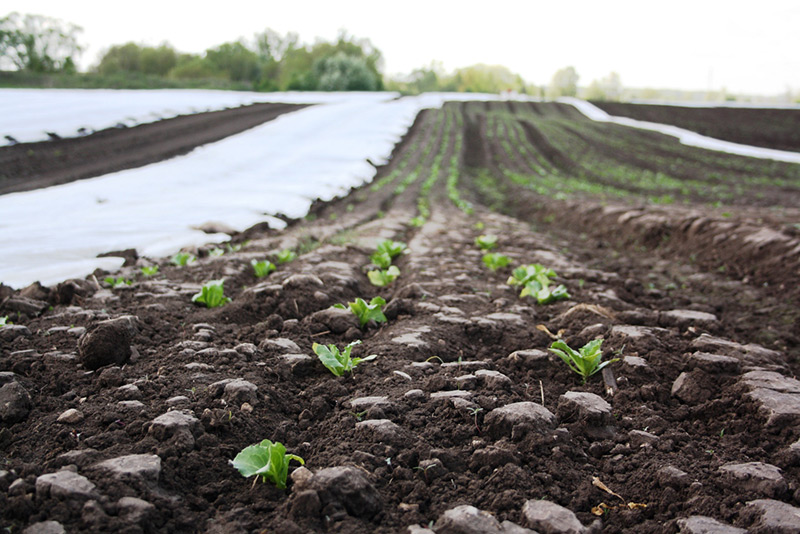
[(381, 259), (495, 260), (339, 362), (286, 255), (586, 361), (535, 280), (117, 282), (182, 258), (212, 294), (4, 320), (150, 270), (416, 222), (262, 268), (215, 252), (365, 311), (382, 278), (392, 248), (486, 242), (267, 460)]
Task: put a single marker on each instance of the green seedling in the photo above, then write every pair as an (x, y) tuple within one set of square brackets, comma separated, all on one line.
[(474, 413), (182, 258), (495, 260), (392, 248), (212, 294), (365, 311), (117, 282), (339, 362), (4, 320), (235, 248), (266, 460), (416, 222), (535, 280), (486, 242), (586, 361), (262, 268), (286, 255), (216, 252), (150, 270), (385, 277), (381, 259)]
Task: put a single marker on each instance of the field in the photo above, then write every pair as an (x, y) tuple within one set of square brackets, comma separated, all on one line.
[(684, 261)]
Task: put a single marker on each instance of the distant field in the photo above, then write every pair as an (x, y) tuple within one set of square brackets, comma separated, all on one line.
[(768, 128)]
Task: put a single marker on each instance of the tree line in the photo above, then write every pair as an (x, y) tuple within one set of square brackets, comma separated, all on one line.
[(267, 62)]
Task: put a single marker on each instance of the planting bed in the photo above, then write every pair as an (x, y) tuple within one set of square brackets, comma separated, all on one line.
[(122, 408)]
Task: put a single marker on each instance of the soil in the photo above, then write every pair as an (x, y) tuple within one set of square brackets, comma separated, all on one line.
[(28, 166), (701, 350)]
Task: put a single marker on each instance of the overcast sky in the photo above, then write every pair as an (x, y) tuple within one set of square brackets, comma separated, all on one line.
[(743, 46)]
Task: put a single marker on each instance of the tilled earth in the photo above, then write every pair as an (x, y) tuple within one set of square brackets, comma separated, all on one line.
[(122, 408)]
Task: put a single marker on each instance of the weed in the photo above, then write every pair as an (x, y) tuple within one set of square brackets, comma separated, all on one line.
[(212, 294), (267, 460), (336, 361), (586, 361)]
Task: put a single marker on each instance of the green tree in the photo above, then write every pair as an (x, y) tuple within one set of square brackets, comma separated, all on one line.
[(158, 61), (239, 63), (193, 67), (121, 58), (37, 43), (343, 72), (564, 83), (482, 78), (608, 88)]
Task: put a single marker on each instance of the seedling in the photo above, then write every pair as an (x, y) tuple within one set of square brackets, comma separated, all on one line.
[(586, 361), (474, 413), (286, 255), (117, 282), (262, 268), (495, 260), (216, 252), (212, 294), (150, 270), (382, 278), (365, 311), (486, 242), (535, 280), (267, 460), (392, 248), (235, 248), (381, 259), (339, 362), (416, 222), (4, 320), (182, 258)]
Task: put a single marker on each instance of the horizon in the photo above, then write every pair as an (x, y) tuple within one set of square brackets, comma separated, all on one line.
[(723, 46)]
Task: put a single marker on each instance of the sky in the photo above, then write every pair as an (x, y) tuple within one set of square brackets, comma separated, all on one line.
[(745, 47)]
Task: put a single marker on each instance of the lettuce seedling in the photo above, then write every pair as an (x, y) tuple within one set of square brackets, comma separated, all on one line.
[(212, 294), (585, 362), (416, 222), (4, 320), (267, 460), (385, 277), (215, 252), (338, 362), (365, 311), (381, 259), (150, 270), (286, 255), (117, 282), (392, 248), (262, 268), (486, 242), (182, 258), (495, 260), (535, 280)]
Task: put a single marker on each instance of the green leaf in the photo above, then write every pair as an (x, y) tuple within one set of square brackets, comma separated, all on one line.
[(392, 248), (383, 278), (336, 361), (150, 270), (381, 259), (366, 312), (585, 362), (4, 320), (486, 242), (286, 255), (212, 294), (267, 460), (495, 260), (182, 258), (262, 268)]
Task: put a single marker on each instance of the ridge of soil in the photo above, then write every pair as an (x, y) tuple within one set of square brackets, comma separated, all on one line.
[(29, 166), (704, 385)]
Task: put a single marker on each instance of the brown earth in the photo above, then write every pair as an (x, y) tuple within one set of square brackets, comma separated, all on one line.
[(28, 166), (703, 387)]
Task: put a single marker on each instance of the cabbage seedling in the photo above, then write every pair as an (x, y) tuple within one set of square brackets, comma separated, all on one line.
[(382, 278), (535, 280), (392, 248), (4, 320), (495, 260), (117, 282), (286, 255), (182, 258), (267, 460), (212, 294), (262, 268), (365, 311), (339, 362), (585, 362), (486, 242), (150, 270), (216, 252), (381, 259)]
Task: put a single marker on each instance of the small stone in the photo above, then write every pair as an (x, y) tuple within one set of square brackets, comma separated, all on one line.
[(689, 390), (238, 391), (131, 405), (699, 524), (304, 504), (533, 358), (670, 476), (109, 343), (493, 457), (757, 477), (492, 379), (45, 527), (686, 318), (301, 280), (771, 380), (64, 485), (518, 418), (550, 518), (510, 319), (635, 362), (365, 403), (15, 403), (447, 395), (416, 529), (401, 374), (381, 429), (129, 392), (411, 339), (639, 438), (301, 477), (135, 509), (781, 409), (18, 487), (280, 344), (466, 519), (145, 467), (350, 488), (246, 349), (414, 394), (70, 417), (166, 425), (714, 363), (750, 353), (774, 517), (465, 382), (10, 332), (298, 364), (177, 400), (587, 408), (336, 320)]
